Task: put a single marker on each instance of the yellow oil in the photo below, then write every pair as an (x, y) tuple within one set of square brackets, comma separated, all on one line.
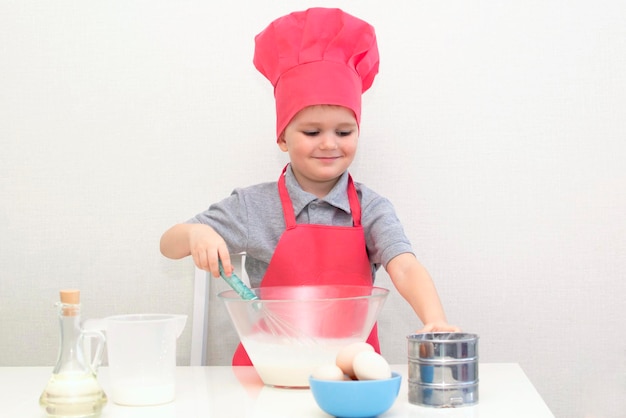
[(73, 395)]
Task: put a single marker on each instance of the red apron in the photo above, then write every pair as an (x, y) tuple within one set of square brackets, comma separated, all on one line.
[(311, 254)]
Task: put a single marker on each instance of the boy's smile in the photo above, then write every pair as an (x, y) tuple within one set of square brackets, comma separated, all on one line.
[(321, 141)]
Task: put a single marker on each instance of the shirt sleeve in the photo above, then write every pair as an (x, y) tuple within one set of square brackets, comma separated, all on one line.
[(384, 233)]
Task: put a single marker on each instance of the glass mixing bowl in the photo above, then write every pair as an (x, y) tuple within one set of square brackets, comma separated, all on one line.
[(289, 331)]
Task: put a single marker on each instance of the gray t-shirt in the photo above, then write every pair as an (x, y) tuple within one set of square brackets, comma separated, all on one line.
[(251, 220)]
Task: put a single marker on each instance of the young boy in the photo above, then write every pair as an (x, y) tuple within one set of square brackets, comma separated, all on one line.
[(315, 225)]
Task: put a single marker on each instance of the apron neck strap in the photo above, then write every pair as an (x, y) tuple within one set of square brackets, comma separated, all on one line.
[(355, 206)]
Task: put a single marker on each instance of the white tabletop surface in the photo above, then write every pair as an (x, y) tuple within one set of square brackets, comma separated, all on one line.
[(504, 391)]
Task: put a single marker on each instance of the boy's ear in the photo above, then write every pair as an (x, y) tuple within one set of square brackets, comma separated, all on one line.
[(282, 143)]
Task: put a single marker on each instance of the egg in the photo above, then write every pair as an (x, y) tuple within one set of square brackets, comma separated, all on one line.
[(369, 365), (345, 356), (328, 372)]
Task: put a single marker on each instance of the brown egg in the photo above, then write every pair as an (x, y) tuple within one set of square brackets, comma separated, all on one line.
[(345, 357)]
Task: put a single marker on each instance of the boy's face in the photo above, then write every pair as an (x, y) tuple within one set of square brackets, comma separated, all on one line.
[(321, 142)]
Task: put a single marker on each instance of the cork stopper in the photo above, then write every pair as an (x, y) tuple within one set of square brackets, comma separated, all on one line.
[(69, 298)]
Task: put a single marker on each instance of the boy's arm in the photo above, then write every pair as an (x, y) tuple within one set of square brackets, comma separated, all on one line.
[(201, 242), (416, 286), (175, 241)]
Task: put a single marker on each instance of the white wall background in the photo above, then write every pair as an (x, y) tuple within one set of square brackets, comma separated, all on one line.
[(497, 128)]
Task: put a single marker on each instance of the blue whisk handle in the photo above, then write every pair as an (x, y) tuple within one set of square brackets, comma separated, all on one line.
[(237, 285)]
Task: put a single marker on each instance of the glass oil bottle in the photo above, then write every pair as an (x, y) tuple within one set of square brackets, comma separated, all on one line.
[(73, 390)]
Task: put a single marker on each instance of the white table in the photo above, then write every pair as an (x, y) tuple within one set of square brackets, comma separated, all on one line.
[(231, 392)]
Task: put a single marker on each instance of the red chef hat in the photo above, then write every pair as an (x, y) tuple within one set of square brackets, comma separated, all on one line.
[(318, 56)]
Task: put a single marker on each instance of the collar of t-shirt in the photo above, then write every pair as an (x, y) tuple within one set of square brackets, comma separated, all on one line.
[(337, 197)]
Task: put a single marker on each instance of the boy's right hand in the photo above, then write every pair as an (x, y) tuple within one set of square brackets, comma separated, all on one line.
[(207, 247), (201, 242)]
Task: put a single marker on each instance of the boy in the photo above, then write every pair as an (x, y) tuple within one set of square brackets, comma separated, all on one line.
[(315, 225)]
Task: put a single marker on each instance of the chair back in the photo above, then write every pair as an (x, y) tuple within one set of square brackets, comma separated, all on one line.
[(213, 336)]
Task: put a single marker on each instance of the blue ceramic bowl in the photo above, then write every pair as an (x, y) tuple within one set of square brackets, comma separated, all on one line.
[(356, 398)]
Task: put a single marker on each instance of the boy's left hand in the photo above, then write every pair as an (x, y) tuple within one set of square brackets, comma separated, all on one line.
[(439, 327)]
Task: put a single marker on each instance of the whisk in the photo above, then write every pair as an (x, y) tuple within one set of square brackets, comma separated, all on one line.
[(276, 325)]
